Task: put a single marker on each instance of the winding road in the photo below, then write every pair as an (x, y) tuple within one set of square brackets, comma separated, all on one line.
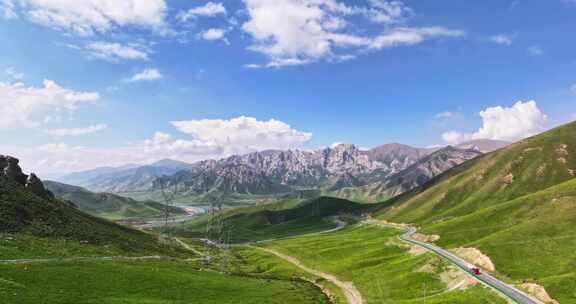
[(509, 291)]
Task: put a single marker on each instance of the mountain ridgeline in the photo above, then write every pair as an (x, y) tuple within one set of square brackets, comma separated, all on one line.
[(273, 172)]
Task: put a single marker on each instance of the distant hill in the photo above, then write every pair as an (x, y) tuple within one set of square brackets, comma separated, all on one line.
[(128, 178), (39, 224), (107, 205), (517, 205), (287, 218)]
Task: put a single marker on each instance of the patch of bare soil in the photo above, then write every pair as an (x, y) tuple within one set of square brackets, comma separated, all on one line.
[(455, 278), (508, 179), (562, 150), (541, 170), (538, 292), (425, 238), (474, 256), (417, 250)]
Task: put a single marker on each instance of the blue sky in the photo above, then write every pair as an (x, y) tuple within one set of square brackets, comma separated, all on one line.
[(91, 83)]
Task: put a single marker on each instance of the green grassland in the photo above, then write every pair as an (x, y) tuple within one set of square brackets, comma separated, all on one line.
[(34, 227), (517, 205), (383, 271), (158, 282), (261, 264)]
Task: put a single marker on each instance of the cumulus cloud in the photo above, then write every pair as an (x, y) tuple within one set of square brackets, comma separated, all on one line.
[(304, 31), (204, 139), (213, 34), (114, 52), (244, 133), (76, 131), (146, 75), (23, 106), (519, 121), (501, 39), (87, 17), (207, 10)]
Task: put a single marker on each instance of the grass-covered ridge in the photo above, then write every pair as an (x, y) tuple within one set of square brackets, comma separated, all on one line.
[(287, 218), (517, 205)]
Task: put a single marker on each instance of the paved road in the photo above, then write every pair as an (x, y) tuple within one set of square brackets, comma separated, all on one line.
[(509, 291)]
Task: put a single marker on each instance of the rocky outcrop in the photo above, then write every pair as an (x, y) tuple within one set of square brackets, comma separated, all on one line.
[(10, 169), (35, 185)]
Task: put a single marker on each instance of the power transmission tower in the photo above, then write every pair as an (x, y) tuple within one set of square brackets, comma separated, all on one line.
[(169, 190), (218, 234)]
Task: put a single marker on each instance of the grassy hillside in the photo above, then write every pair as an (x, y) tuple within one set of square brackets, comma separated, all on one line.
[(274, 221), (517, 205), (33, 226), (380, 267), (106, 205)]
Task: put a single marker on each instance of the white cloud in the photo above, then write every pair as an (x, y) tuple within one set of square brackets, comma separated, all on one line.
[(23, 106), (244, 133), (213, 34), (7, 9), (10, 71), (86, 17), (115, 51), (522, 120), (535, 50), (501, 39), (76, 131), (146, 75), (209, 9), (304, 31), (212, 139), (411, 36)]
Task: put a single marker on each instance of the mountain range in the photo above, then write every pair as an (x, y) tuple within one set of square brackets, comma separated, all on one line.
[(384, 171)]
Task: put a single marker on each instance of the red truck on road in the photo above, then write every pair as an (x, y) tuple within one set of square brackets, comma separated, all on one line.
[(476, 271)]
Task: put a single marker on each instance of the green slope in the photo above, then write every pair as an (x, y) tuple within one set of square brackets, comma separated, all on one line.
[(517, 205), (33, 226), (287, 218), (106, 205), (380, 267), (158, 282)]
